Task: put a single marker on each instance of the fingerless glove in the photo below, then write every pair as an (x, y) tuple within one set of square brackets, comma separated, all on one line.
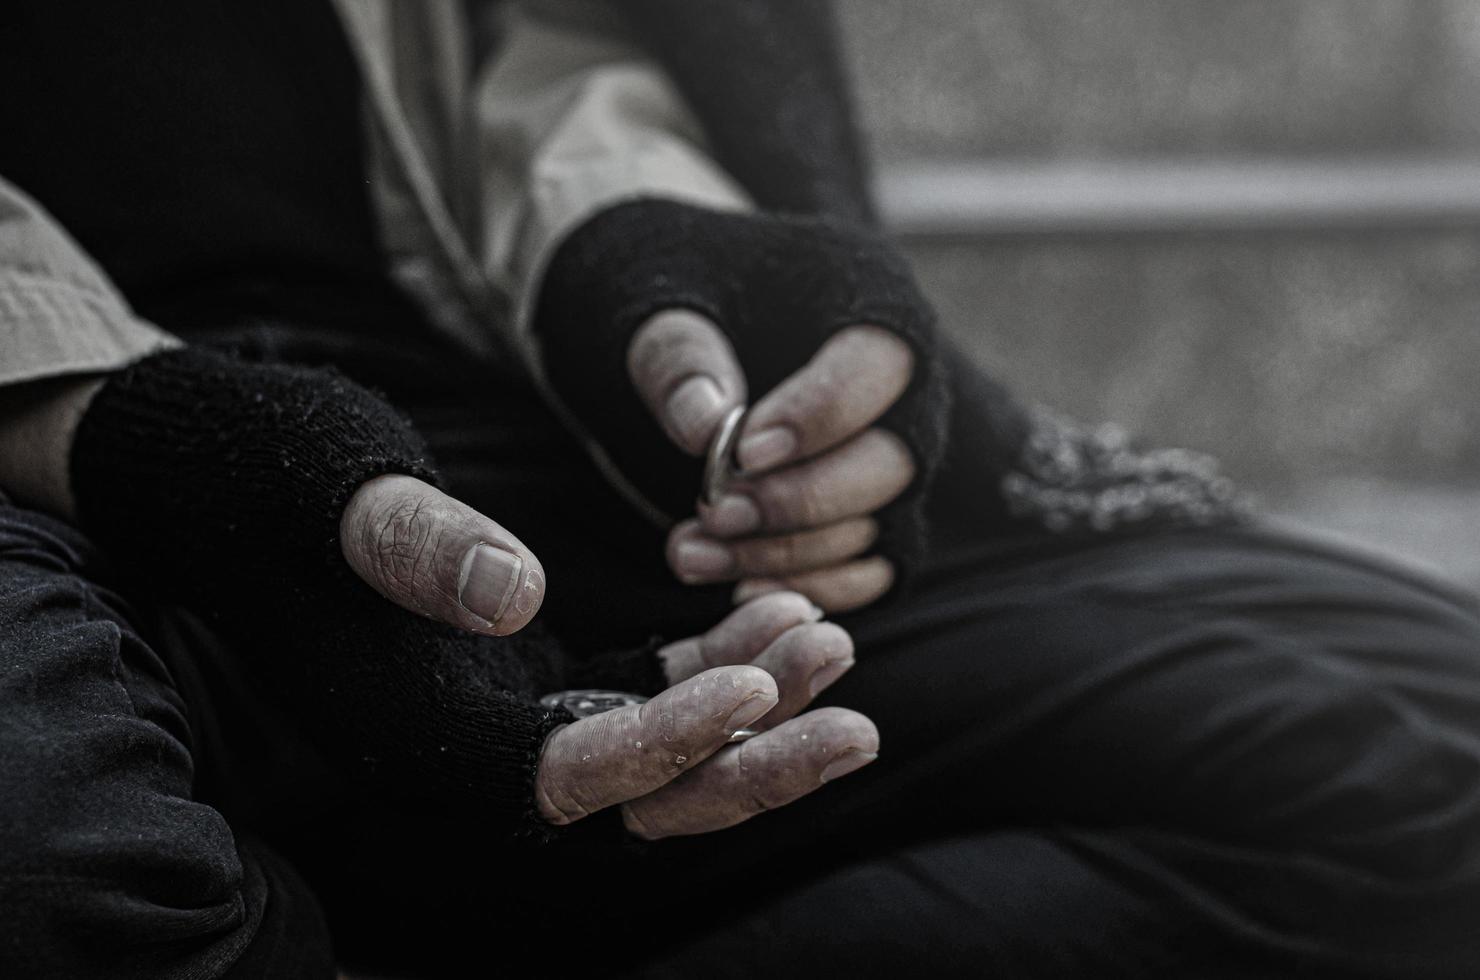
[(778, 287)]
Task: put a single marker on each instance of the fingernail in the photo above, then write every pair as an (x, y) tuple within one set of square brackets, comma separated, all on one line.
[(692, 404), (767, 448), (732, 515), (529, 597), (826, 674), (695, 560), (751, 588), (847, 762), (749, 712), (489, 581)]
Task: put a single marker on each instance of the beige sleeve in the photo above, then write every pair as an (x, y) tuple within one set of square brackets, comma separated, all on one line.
[(59, 314), (572, 117)]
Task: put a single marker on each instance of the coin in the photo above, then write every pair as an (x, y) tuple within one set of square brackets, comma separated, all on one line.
[(587, 702)]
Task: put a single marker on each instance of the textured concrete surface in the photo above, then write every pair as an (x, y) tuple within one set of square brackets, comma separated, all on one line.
[(1338, 374), (1293, 357), (1053, 77)]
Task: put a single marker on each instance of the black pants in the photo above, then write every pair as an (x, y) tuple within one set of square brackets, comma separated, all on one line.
[(1200, 753)]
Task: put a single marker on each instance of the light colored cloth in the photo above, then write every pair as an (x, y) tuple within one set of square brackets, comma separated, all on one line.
[(475, 177), (59, 314), (570, 121)]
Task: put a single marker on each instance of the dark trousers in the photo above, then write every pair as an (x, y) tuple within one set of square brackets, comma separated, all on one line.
[(1202, 753)]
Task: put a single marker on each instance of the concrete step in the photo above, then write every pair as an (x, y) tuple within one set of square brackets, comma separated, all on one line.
[(1296, 358), (954, 78), (1333, 364)]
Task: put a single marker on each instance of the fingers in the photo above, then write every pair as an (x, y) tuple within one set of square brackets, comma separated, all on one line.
[(623, 755), (768, 771), (738, 638), (853, 480), (805, 660), (803, 521), (697, 558), (852, 380), (836, 590), (432, 554), (778, 633), (808, 527), (620, 755), (686, 373)]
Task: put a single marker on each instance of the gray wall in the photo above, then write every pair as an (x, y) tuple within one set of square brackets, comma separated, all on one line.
[(1337, 371), (950, 77)]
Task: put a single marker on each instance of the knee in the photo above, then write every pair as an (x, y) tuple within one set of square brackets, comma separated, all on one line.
[(105, 900), (108, 868), (104, 860)]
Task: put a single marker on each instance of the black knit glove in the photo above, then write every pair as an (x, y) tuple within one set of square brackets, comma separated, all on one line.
[(219, 485), (777, 286), (191, 462)]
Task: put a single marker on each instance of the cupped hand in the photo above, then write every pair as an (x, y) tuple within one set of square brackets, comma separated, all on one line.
[(668, 763), (815, 466)]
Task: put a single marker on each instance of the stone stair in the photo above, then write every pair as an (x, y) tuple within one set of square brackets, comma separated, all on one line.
[(1334, 365)]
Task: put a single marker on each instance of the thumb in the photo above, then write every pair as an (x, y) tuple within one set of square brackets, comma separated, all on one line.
[(686, 373), (434, 555)]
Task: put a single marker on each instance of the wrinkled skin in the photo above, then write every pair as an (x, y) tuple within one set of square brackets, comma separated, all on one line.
[(816, 468)]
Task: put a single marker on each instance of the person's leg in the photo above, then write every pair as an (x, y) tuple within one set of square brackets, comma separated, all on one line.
[(1007, 903), (109, 867)]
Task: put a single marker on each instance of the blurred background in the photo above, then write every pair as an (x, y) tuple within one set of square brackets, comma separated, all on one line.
[(1246, 226)]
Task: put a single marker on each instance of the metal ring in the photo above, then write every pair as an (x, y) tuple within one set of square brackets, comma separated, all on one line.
[(719, 466)]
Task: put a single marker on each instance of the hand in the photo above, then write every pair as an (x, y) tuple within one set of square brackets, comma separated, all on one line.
[(666, 763), (829, 328), (817, 471), (436, 556), (409, 541)]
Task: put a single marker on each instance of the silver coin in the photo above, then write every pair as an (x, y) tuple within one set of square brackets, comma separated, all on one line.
[(585, 702), (720, 466)]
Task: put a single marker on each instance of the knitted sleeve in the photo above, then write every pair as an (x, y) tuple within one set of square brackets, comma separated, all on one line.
[(219, 484)]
